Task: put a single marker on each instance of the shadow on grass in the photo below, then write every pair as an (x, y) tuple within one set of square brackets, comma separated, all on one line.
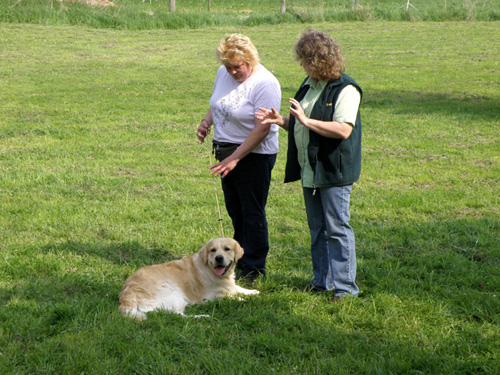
[(450, 262), (412, 102), (71, 284), (407, 320), (76, 270), (75, 274), (297, 334), (120, 253)]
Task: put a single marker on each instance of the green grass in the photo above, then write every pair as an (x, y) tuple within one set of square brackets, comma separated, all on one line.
[(138, 15), (101, 173)]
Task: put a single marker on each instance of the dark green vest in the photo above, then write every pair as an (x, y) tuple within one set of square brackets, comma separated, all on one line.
[(335, 162)]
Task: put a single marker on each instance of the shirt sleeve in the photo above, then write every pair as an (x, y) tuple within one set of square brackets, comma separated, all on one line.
[(267, 94), (347, 105)]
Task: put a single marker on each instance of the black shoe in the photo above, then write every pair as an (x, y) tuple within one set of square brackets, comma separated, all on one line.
[(313, 288), (250, 277)]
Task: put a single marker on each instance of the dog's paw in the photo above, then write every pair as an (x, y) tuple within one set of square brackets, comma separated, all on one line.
[(135, 314), (248, 291)]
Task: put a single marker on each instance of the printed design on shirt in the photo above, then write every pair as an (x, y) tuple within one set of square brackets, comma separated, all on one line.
[(227, 107)]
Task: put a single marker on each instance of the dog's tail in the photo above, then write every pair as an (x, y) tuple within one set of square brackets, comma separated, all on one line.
[(129, 305)]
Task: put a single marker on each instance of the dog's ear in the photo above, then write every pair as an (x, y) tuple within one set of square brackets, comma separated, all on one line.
[(204, 253), (238, 251)]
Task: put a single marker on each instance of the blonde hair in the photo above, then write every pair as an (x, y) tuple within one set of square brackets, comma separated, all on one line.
[(321, 54), (237, 46)]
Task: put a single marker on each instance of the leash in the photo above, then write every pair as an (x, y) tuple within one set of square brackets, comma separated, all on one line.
[(215, 185)]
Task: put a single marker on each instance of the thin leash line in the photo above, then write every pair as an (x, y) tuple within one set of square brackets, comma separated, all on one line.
[(215, 186)]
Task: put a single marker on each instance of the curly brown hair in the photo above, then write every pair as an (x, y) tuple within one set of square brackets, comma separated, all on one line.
[(320, 55)]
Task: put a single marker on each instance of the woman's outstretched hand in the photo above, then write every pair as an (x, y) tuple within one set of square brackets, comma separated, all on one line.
[(269, 116)]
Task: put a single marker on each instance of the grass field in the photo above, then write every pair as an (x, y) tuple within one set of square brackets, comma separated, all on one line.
[(155, 14), (101, 173)]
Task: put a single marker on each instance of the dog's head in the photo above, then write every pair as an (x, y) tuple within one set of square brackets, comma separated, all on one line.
[(221, 255)]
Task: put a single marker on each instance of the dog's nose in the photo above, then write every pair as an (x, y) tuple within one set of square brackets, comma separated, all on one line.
[(219, 259)]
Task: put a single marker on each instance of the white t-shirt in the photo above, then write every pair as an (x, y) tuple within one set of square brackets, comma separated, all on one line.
[(233, 106)]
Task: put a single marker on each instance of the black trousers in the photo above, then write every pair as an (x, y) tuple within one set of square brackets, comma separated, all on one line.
[(245, 193)]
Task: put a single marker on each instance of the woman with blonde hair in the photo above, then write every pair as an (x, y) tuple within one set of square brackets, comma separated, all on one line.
[(324, 152), (245, 147)]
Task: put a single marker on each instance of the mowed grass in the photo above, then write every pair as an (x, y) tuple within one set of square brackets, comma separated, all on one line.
[(101, 173), (156, 14)]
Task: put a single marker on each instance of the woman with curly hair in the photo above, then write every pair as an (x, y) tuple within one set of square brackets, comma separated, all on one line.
[(324, 152), (245, 147)]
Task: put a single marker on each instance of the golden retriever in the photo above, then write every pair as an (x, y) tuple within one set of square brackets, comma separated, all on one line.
[(171, 286)]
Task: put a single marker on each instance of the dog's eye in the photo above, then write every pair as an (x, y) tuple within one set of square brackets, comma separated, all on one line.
[(227, 248), (213, 250)]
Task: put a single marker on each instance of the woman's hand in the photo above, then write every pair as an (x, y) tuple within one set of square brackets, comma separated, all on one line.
[(269, 116), (203, 130), (297, 111), (256, 136), (272, 116), (224, 167), (329, 129)]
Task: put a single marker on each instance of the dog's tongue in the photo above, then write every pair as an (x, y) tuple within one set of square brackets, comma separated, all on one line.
[(219, 271)]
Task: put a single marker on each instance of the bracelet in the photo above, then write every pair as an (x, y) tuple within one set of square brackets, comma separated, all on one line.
[(205, 121)]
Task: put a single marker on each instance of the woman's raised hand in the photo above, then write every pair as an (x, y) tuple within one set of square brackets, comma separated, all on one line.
[(269, 116)]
